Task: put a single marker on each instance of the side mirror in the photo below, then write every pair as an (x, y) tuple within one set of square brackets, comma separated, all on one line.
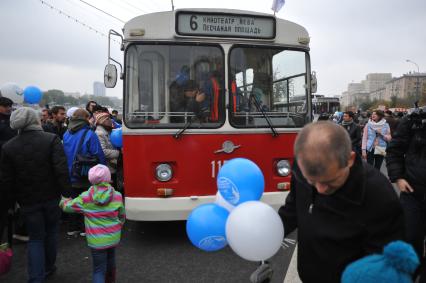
[(314, 84), (110, 76)]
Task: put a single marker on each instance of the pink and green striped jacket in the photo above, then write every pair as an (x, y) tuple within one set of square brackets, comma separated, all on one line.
[(103, 212)]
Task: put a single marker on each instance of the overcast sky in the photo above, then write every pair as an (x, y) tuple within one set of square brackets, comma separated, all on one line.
[(349, 39)]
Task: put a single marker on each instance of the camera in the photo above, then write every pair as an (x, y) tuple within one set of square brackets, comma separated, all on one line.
[(418, 117)]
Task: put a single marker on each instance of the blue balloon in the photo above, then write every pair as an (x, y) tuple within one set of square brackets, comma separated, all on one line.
[(32, 95), (240, 180), (116, 138), (205, 227)]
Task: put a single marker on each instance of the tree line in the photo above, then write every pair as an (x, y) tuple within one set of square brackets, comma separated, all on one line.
[(57, 97), (394, 102)]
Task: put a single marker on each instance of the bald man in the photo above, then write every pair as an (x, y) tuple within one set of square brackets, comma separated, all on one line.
[(343, 208)]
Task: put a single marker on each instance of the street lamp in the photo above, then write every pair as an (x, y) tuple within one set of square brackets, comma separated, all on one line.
[(409, 61), (418, 74)]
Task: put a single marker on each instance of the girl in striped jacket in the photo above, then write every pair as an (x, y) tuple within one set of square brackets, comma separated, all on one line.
[(104, 217)]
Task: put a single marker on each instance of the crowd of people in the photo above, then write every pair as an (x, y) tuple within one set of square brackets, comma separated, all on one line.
[(345, 210), (61, 159), (370, 132)]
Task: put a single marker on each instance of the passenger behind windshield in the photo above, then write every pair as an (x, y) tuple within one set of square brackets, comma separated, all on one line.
[(258, 100), (193, 98), (187, 98)]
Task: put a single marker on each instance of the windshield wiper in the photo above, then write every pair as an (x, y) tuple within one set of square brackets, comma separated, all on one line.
[(267, 118), (186, 126)]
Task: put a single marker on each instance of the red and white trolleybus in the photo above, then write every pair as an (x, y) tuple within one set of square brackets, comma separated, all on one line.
[(202, 86)]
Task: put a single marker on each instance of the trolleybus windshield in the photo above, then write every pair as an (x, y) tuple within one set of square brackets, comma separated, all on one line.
[(170, 86), (270, 79)]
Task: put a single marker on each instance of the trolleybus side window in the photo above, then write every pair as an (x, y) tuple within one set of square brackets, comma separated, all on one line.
[(268, 80), (169, 85)]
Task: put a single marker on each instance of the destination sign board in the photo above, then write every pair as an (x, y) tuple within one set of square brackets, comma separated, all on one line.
[(225, 25)]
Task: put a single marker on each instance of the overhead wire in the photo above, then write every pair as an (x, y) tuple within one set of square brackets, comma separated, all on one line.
[(61, 12), (131, 5), (152, 5), (102, 11), (130, 8), (90, 13)]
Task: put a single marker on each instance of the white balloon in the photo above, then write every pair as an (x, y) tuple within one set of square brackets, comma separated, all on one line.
[(223, 203), (254, 231), (12, 91)]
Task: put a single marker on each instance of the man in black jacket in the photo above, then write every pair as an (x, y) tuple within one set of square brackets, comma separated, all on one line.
[(343, 208), (34, 170), (406, 164), (56, 125), (353, 129)]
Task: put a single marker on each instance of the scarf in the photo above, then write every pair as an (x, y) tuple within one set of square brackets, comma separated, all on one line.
[(344, 123), (77, 124), (376, 125)]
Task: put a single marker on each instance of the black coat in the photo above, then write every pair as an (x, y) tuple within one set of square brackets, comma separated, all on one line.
[(354, 132), (393, 124), (406, 153), (334, 230), (6, 133), (34, 168), (56, 129)]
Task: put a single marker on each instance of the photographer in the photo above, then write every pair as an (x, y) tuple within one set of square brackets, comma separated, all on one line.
[(406, 163)]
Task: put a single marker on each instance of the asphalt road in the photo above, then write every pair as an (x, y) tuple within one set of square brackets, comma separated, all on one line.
[(151, 252)]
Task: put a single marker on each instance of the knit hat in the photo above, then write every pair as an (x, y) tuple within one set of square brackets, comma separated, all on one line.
[(396, 265), (25, 118), (101, 117), (99, 174)]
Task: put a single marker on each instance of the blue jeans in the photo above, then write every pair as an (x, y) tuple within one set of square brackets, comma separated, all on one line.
[(103, 265), (42, 221)]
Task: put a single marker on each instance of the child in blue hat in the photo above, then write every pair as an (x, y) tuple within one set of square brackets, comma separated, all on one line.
[(396, 265)]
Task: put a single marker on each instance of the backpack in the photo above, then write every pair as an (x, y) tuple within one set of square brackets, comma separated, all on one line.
[(83, 162)]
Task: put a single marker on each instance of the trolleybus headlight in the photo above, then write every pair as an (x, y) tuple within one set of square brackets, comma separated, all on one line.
[(163, 172), (283, 168)]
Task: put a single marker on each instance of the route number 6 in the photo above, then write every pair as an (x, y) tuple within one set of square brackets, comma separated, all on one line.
[(193, 22)]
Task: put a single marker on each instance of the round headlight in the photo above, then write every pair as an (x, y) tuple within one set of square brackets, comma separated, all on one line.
[(283, 168), (163, 172)]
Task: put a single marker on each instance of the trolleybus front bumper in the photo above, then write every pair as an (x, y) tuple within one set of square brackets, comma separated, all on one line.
[(178, 208)]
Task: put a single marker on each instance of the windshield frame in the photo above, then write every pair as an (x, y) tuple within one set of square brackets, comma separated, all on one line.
[(307, 116), (176, 126)]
